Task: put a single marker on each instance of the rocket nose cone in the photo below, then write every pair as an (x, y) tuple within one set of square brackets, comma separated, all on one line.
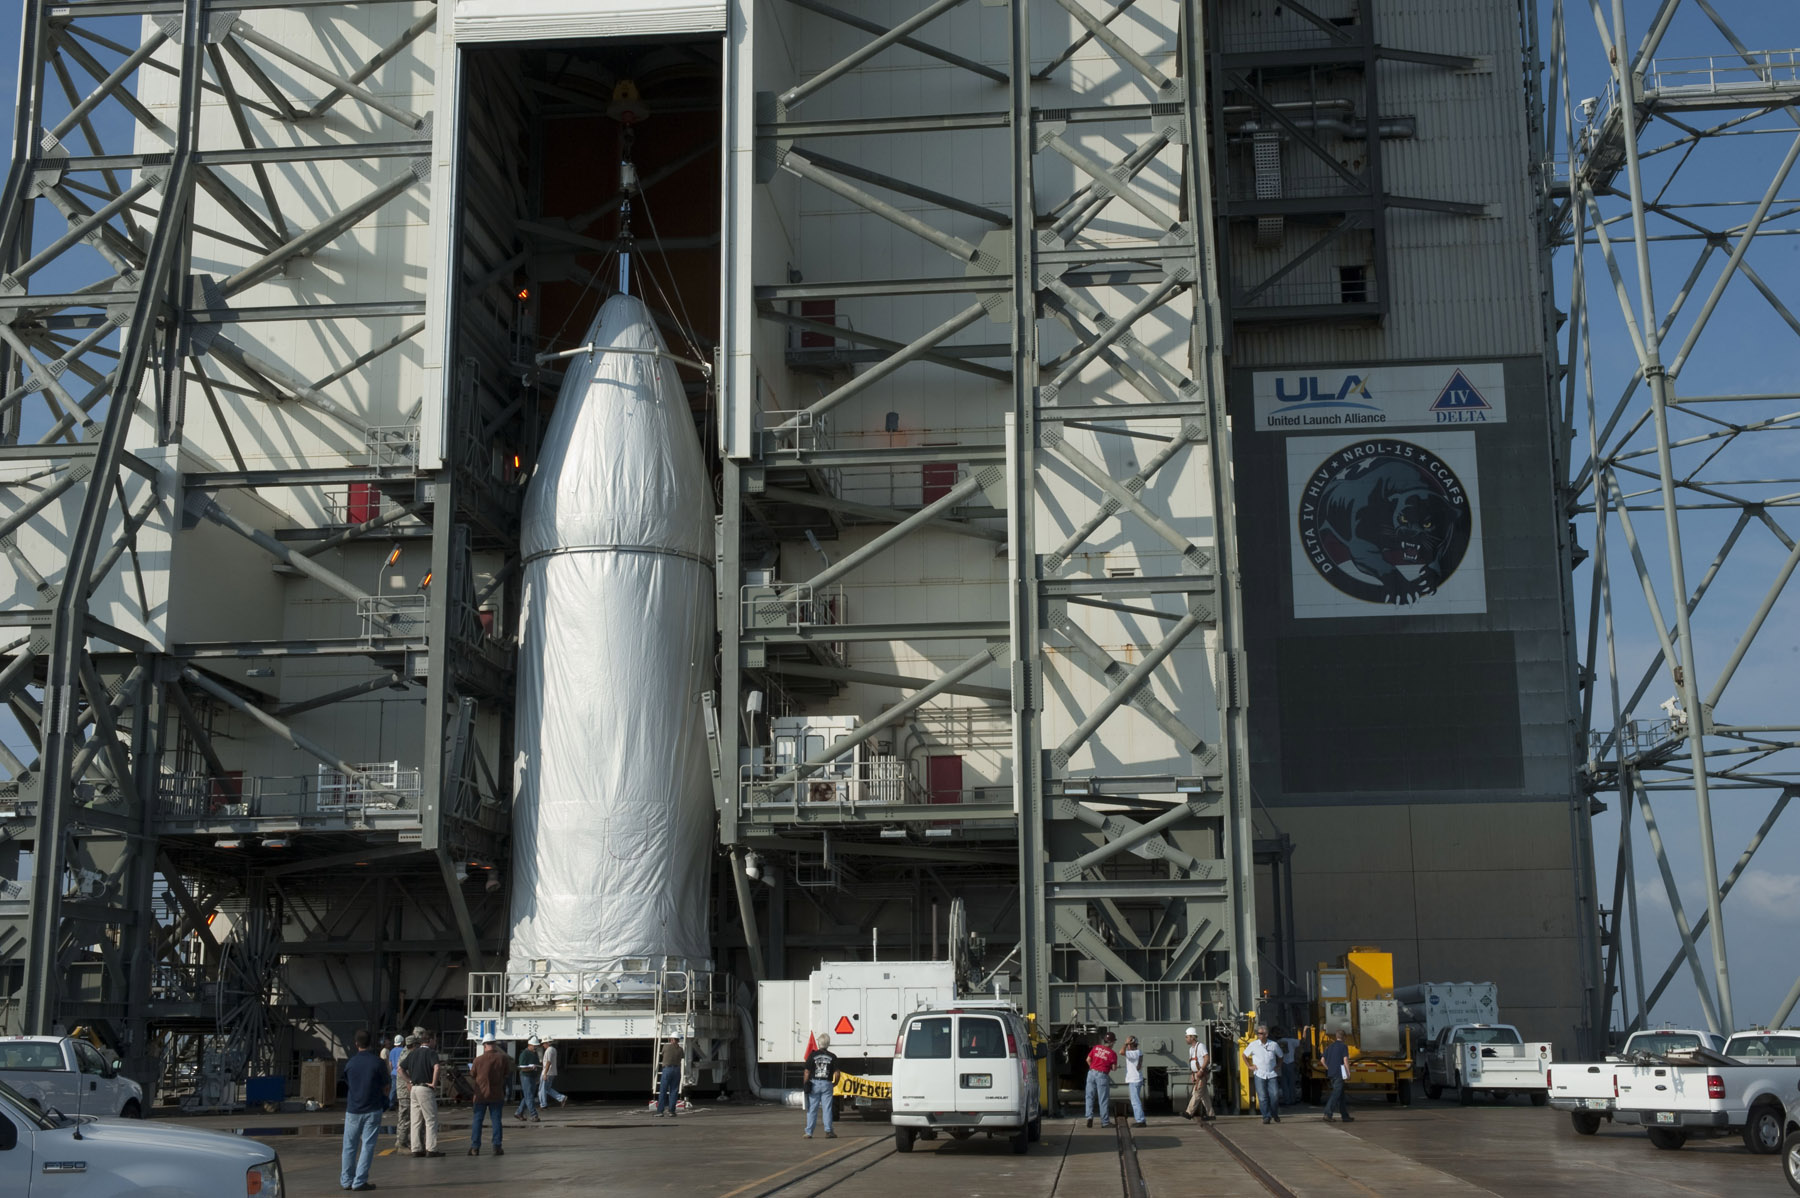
[(620, 465)]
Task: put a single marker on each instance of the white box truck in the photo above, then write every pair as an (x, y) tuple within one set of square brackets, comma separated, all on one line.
[(860, 1004)]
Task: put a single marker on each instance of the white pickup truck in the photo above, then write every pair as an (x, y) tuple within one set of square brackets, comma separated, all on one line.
[(1472, 1057), (1590, 1091), (51, 1155), (69, 1075), (1707, 1093)]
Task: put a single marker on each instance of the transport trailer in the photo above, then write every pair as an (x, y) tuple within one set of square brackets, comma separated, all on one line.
[(607, 1024)]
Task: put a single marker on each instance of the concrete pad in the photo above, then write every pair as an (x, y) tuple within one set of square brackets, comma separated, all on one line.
[(748, 1151)]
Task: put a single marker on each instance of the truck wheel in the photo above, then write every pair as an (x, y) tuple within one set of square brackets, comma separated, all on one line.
[(1790, 1160), (131, 1110), (1021, 1139), (903, 1139), (1465, 1096), (1433, 1091), (1586, 1122), (1036, 1128), (1540, 1097), (1667, 1139), (1762, 1134), (1404, 1087)]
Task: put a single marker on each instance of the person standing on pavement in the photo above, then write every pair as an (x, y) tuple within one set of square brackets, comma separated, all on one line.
[(488, 1077), (419, 1068), (528, 1081), (1199, 1078), (550, 1068), (1101, 1060), (365, 1098), (1290, 1070), (668, 1078), (1264, 1056), (1337, 1070), (391, 1054), (1134, 1079), (403, 1088), (821, 1080)]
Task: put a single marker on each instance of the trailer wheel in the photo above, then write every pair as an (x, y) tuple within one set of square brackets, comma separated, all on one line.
[(1667, 1139), (1762, 1134), (1404, 1087), (1539, 1097), (903, 1139), (1433, 1091), (1586, 1122)]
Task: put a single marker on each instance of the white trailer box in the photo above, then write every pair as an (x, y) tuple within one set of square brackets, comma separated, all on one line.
[(859, 1003), (1435, 1006)]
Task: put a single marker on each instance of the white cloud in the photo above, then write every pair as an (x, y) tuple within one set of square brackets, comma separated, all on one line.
[(1776, 896)]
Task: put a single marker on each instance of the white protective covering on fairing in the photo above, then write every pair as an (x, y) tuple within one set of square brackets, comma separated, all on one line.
[(612, 815)]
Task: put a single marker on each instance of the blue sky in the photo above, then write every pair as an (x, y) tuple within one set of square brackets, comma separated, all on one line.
[(1748, 348)]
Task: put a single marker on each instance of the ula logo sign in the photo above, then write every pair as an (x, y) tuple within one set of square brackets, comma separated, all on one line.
[(1311, 390)]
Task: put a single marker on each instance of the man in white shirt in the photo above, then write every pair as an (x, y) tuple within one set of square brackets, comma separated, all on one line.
[(1199, 1078), (1264, 1056)]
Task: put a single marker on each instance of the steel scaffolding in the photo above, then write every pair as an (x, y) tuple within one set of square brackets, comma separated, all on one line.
[(1669, 186), (155, 139)]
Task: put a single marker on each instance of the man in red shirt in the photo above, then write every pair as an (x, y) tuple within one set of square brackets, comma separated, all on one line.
[(1101, 1061)]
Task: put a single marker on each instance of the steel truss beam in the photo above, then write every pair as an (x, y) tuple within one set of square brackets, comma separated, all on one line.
[(1040, 266), (107, 329), (1697, 462)]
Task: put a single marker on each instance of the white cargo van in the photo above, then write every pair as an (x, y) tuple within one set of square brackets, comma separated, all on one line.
[(967, 1069)]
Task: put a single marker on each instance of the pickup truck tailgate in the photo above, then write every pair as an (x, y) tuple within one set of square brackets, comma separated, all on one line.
[(1499, 1065)]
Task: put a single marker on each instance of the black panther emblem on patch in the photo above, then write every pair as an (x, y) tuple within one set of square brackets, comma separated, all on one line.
[(1385, 521)]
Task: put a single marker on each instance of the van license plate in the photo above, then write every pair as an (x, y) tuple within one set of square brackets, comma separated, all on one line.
[(1665, 1116), (978, 1081)]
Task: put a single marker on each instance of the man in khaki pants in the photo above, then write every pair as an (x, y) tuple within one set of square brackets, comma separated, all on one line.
[(419, 1068), (1199, 1070)]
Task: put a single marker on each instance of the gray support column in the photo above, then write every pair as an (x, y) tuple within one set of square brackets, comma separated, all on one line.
[(1035, 932), (69, 627), (1687, 680)]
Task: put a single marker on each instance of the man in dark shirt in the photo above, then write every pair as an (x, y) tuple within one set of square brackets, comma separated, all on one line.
[(488, 1077), (365, 1098), (1337, 1069), (821, 1077), (668, 1076), (528, 1081), (419, 1069)]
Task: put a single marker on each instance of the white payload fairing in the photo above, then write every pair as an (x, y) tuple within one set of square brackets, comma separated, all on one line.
[(612, 811)]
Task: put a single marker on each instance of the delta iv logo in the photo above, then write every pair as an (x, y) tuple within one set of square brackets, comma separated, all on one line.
[(1385, 521)]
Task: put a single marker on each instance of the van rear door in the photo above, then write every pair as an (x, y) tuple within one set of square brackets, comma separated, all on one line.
[(926, 1080), (987, 1075)]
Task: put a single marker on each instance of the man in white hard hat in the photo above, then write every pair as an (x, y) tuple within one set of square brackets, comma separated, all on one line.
[(528, 1080), (1199, 1078), (391, 1054)]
